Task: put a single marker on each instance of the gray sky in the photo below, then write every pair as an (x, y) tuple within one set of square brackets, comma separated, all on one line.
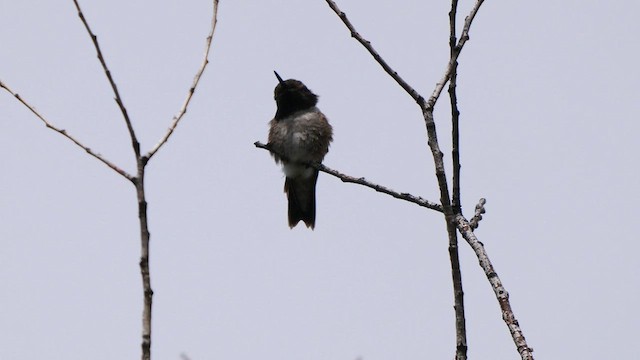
[(548, 92)]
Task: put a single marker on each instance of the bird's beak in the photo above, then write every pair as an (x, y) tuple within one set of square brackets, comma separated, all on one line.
[(279, 78)]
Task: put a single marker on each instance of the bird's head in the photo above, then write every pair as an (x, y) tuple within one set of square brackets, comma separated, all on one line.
[(291, 96)]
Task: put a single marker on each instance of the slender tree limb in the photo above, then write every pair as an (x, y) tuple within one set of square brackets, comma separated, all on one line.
[(362, 181), (458, 293), (455, 113), (192, 89), (464, 37), (382, 189), (67, 135), (477, 216), (455, 146), (501, 293), (134, 141), (367, 45)]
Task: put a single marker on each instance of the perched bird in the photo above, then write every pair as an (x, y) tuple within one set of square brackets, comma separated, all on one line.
[(298, 134)]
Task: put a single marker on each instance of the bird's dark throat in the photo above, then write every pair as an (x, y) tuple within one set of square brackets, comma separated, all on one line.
[(293, 101)]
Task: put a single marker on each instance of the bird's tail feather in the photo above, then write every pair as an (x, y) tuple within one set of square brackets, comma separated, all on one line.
[(301, 193)]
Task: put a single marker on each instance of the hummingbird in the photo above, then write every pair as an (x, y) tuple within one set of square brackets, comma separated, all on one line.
[(299, 134)]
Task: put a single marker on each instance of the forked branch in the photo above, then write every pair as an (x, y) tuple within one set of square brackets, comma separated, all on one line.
[(453, 219)]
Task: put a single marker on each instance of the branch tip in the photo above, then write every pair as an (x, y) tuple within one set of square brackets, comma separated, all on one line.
[(183, 110)]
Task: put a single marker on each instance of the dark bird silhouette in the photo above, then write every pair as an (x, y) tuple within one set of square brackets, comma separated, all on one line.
[(298, 134)]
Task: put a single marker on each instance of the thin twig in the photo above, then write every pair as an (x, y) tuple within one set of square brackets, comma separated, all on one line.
[(501, 293), (454, 57), (123, 109), (367, 45), (477, 216), (458, 293), (66, 134), (192, 89), (362, 181), (455, 112)]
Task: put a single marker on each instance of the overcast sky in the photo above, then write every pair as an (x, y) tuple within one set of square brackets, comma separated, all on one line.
[(549, 100)]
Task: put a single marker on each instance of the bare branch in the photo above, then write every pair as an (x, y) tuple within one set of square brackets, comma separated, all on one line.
[(455, 113), (467, 24), (458, 293), (454, 56), (475, 220), (501, 293), (367, 44), (65, 134), (192, 89), (362, 181), (379, 188), (123, 109)]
